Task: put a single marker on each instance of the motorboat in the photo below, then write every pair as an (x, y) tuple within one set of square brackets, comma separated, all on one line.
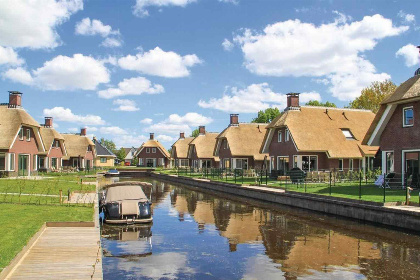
[(125, 203), (112, 173)]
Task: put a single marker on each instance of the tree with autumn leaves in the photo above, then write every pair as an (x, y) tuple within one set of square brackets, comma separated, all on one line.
[(373, 95)]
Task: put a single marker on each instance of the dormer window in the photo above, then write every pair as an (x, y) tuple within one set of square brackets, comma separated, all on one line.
[(408, 117), (347, 133), (154, 150), (147, 150), (28, 134), (280, 134), (89, 148)]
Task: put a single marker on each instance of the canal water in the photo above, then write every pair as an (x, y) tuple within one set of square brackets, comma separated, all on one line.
[(199, 234)]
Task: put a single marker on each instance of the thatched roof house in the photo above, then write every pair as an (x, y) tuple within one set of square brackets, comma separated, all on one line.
[(180, 150), (80, 150), (310, 137), (238, 145), (201, 149), (152, 153)]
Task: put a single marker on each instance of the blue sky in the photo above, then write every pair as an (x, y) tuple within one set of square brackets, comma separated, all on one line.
[(127, 68)]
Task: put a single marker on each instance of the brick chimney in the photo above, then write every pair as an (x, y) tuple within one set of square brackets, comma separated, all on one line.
[(293, 101), (234, 120), (181, 135), (48, 122), (15, 99), (202, 130), (83, 132), (152, 136)]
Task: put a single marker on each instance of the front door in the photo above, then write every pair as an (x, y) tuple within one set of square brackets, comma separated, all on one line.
[(412, 163), (23, 165), (150, 162)]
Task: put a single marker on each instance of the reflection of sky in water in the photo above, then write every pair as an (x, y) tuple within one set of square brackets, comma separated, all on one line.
[(235, 241)]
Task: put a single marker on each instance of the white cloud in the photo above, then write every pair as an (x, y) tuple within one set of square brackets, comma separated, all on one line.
[(132, 86), (165, 138), (146, 121), (33, 23), (66, 115), (112, 42), (140, 10), (157, 62), (410, 53), (335, 50), (235, 2), (9, 56), (93, 27), (129, 140), (252, 99), (19, 75), (64, 73), (175, 123), (227, 45), (407, 18), (113, 130), (125, 105)]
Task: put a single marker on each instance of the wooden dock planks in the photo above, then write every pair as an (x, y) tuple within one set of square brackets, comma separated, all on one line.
[(62, 253)]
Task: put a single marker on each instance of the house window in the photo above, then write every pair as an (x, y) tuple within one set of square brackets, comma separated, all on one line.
[(340, 164), (283, 165), (154, 150), (271, 163), (225, 144), (389, 162), (279, 139), (11, 162), (309, 163), (89, 148), (226, 163), (2, 162), (242, 163), (21, 134), (183, 163), (141, 161), (28, 134), (347, 133), (103, 159), (295, 161), (161, 161), (56, 144), (408, 117), (287, 135), (351, 164), (147, 150), (54, 163), (35, 162)]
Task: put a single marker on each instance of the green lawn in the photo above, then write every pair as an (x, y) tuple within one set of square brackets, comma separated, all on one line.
[(20, 222), (350, 190), (46, 186)]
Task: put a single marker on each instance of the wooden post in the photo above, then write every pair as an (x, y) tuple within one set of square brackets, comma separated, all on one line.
[(61, 196)]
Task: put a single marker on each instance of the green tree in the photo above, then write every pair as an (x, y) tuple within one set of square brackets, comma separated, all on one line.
[(109, 144), (266, 116), (320, 104), (120, 154), (373, 95), (195, 133)]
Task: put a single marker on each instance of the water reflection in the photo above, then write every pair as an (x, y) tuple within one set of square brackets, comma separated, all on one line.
[(205, 236)]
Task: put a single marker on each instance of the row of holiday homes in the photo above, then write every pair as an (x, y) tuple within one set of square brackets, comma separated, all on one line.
[(27, 147), (308, 137)]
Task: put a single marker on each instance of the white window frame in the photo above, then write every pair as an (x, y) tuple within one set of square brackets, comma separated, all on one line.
[(350, 135), (278, 161), (5, 161), (153, 150), (28, 135), (147, 150), (241, 159), (300, 165), (287, 135), (56, 159), (12, 166), (385, 161), (101, 158), (342, 164), (35, 163), (21, 136), (279, 136), (404, 109), (351, 164), (141, 161)]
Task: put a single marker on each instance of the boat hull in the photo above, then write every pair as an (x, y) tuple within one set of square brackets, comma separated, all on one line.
[(129, 221)]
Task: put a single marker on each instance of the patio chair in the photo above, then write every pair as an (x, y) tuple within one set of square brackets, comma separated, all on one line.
[(388, 180)]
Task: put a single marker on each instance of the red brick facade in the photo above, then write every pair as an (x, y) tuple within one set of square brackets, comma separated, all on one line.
[(152, 157)]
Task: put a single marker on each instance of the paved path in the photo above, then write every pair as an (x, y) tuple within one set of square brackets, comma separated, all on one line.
[(406, 208), (62, 253)]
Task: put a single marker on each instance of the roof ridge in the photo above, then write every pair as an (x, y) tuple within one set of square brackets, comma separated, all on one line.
[(334, 108)]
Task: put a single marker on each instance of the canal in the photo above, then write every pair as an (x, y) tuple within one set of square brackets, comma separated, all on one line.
[(198, 234)]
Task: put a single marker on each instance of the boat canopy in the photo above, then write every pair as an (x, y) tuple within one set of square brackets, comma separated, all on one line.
[(130, 192)]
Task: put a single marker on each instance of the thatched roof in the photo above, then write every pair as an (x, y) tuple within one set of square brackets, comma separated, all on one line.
[(77, 145), (407, 90), (204, 145), (319, 129), (48, 135), (10, 122), (244, 139), (180, 147), (153, 144)]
